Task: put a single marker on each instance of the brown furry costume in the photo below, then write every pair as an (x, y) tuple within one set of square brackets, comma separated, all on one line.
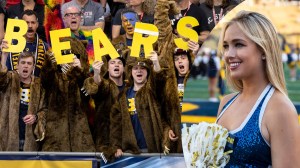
[(122, 134), (171, 111), (67, 126), (9, 112), (105, 95)]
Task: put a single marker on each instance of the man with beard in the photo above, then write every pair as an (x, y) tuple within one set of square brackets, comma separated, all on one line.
[(15, 12), (104, 87), (22, 108), (33, 44), (136, 125), (72, 19)]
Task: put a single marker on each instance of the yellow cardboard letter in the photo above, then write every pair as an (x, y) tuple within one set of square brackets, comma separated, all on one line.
[(19, 36), (186, 32), (139, 39), (58, 46), (108, 48)]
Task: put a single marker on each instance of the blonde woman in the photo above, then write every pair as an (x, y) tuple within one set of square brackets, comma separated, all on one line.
[(260, 116)]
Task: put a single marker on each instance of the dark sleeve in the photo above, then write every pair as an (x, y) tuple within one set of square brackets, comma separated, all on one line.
[(202, 19), (148, 19), (117, 19), (9, 13), (162, 21), (48, 73), (41, 29), (1, 10)]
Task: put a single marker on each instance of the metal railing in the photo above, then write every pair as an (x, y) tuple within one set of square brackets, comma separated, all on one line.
[(97, 155)]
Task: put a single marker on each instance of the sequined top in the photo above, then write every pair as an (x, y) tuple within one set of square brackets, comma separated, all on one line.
[(251, 149)]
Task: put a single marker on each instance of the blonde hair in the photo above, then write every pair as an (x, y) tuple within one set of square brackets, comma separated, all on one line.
[(260, 30)]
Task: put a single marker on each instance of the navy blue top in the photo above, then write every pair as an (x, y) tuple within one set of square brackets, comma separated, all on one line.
[(251, 149), (138, 131), (24, 101)]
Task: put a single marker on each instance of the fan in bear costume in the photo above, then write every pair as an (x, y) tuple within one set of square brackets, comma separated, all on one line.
[(179, 62), (67, 126), (104, 87)]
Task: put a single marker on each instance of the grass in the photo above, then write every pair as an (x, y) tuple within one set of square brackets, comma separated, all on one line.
[(198, 89)]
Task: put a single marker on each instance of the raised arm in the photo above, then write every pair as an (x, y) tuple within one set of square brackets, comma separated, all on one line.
[(161, 19), (48, 72), (4, 77), (97, 70), (97, 86)]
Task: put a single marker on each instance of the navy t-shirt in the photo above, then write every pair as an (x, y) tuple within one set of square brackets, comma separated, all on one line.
[(24, 101), (121, 87), (138, 131)]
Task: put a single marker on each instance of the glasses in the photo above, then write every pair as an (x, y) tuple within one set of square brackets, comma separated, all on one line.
[(72, 14)]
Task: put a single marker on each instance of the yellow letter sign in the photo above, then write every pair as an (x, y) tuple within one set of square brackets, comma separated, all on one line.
[(58, 46), (186, 31), (138, 39), (19, 36), (108, 48)]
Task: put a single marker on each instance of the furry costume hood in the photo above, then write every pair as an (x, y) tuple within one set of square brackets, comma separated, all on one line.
[(132, 61)]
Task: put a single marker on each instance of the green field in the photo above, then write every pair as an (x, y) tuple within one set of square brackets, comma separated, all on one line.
[(198, 89)]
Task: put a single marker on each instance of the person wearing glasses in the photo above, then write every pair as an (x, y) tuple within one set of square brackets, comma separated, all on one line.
[(72, 19), (92, 14)]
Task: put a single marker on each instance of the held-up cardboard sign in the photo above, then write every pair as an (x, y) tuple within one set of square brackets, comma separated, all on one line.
[(144, 34)]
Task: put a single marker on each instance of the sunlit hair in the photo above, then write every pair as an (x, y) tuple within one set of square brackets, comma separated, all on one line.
[(26, 54), (260, 30)]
